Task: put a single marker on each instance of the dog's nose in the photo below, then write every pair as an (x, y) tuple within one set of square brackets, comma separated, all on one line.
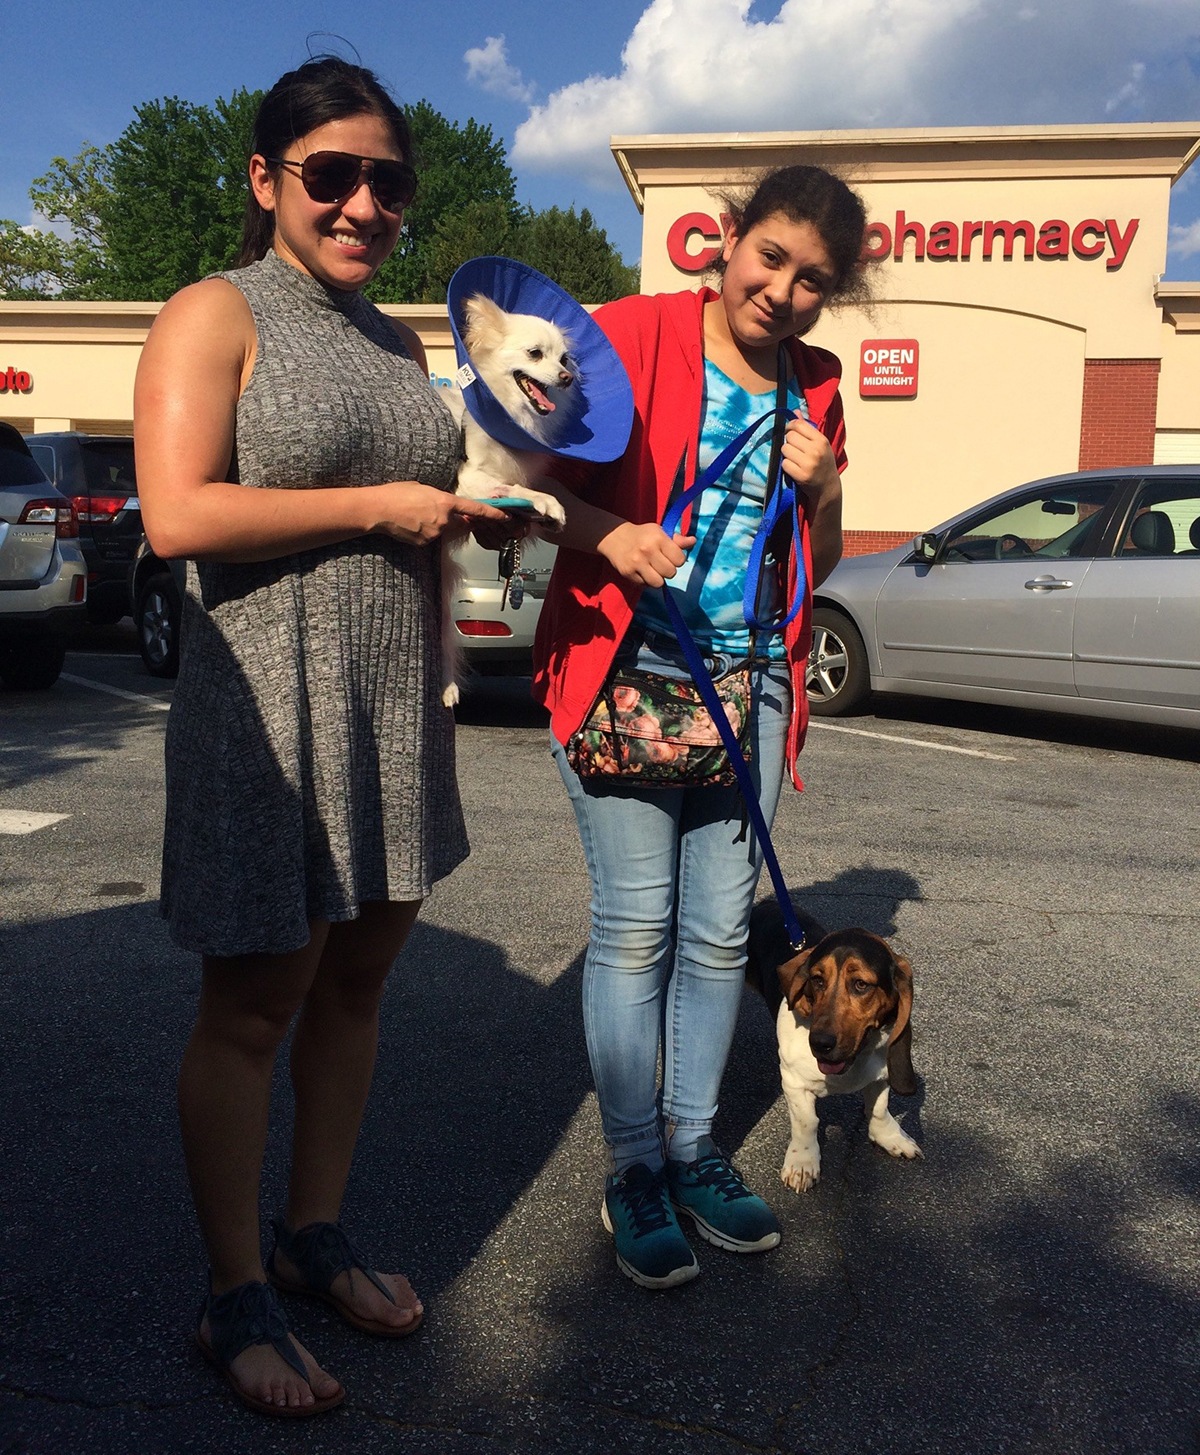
[(565, 379), (822, 1043)]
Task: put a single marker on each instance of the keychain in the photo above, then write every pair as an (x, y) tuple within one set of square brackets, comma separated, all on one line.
[(510, 574)]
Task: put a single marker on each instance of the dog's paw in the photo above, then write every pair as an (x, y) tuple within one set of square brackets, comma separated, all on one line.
[(450, 695), (547, 507), (801, 1167), (894, 1140)]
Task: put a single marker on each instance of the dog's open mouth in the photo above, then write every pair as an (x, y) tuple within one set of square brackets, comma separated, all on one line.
[(536, 394), (831, 1068)]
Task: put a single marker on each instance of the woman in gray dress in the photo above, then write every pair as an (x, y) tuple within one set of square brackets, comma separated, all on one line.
[(289, 446)]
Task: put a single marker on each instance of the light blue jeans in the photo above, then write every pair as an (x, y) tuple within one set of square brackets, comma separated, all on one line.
[(673, 876)]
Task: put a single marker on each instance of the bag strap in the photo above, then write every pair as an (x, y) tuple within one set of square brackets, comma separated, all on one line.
[(708, 693), (782, 499)]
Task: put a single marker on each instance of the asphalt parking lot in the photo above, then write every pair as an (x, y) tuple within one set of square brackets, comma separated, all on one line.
[(1032, 1286)]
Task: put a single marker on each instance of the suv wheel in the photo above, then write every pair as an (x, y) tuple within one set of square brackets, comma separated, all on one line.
[(157, 617), (32, 663), (838, 679)]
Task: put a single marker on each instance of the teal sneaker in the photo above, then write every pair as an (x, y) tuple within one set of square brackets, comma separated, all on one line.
[(711, 1192), (651, 1249)]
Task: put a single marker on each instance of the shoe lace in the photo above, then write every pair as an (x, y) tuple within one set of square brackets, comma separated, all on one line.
[(717, 1172), (647, 1205)]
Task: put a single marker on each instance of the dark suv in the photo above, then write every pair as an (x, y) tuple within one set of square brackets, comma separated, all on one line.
[(95, 473)]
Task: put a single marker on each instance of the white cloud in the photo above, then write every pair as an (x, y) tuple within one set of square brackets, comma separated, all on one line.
[(489, 68), (711, 65), (1184, 242)]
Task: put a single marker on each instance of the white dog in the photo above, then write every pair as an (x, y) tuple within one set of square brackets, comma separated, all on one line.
[(526, 363)]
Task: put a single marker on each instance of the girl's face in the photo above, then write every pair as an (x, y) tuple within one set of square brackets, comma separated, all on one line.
[(777, 278), (342, 244)]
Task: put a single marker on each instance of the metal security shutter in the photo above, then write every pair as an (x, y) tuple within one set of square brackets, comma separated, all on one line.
[(1177, 447)]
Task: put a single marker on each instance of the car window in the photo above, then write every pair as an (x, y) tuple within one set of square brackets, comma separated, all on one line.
[(1164, 520), (1052, 523), (18, 468), (109, 466)]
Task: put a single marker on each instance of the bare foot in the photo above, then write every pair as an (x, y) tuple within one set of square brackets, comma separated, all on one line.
[(356, 1295), (262, 1374)]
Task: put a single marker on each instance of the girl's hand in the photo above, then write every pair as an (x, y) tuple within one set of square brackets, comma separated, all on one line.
[(418, 514), (644, 553), (808, 462), (493, 537)]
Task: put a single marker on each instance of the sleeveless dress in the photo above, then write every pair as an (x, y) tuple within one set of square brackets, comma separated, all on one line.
[(309, 759)]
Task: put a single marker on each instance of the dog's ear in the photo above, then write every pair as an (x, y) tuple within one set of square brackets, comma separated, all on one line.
[(793, 982), (483, 322), (901, 1076)]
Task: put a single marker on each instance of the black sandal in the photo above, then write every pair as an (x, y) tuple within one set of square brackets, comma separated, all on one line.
[(247, 1315), (320, 1252)]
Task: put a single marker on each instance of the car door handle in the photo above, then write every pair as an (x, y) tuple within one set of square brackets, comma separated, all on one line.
[(1048, 583)]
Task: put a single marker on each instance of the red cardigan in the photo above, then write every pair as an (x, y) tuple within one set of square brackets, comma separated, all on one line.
[(588, 607)]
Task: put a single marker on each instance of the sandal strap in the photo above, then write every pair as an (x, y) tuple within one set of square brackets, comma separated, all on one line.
[(247, 1315), (320, 1251)]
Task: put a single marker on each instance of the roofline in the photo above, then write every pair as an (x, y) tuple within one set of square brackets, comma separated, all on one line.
[(1151, 147)]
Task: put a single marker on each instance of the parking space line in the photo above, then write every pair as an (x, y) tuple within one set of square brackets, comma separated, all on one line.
[(913, 742), (116, 692), (17, 821)]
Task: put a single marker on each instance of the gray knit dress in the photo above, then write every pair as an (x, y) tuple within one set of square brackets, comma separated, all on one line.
[(310, 762)]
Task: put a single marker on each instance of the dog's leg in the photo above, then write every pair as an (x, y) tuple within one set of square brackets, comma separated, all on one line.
[(802, 1161), (882, 1127)]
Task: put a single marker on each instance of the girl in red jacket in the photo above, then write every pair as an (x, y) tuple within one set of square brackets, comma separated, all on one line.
[(673, 875)]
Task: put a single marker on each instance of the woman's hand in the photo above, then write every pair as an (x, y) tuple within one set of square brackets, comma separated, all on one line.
[(419, 514), (644, 553), (809, 463), (493, 537)]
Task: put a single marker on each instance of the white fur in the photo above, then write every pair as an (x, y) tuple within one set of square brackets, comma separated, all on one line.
[(804, 1081), (503, 347)]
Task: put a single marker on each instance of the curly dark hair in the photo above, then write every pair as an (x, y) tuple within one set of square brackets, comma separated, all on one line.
[(324, 89), (820, 198)]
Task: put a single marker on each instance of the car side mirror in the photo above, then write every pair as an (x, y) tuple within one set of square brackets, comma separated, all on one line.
[(925, 546)]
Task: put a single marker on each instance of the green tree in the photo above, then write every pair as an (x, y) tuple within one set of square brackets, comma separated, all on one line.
[(464, 182), (40, 263), (577, 254), (177, 192)]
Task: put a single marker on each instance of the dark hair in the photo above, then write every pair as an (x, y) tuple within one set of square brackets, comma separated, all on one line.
[(818, 197), (321, 90)]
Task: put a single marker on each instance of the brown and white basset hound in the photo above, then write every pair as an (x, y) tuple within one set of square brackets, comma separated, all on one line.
[(843, 1008)]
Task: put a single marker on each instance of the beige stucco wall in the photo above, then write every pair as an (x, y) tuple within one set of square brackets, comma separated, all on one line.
[(1003, 343)]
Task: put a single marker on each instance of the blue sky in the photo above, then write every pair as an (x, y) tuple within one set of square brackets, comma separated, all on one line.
[(555, 81)]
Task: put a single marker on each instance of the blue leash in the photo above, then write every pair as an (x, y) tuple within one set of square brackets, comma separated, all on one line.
[(780, 502)]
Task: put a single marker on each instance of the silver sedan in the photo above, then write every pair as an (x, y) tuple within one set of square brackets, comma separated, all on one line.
[(1078, 593)]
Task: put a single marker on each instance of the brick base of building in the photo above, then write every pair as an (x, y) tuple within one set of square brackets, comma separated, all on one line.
[(1120, 405), (863, 542)]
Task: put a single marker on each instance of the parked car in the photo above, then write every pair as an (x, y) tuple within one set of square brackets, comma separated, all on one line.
[(43, 578), (96, 473), (496, 637), (1078, 593)]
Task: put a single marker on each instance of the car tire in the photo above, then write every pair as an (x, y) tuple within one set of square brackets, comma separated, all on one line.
[(158, 616), (32, 664), (838, 679)]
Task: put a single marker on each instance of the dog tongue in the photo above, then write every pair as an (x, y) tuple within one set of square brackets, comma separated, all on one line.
[(831, 1068), (543, 401)]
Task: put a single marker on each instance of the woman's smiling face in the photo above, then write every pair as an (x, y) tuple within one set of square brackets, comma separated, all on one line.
[(777, 277), (341, 244)]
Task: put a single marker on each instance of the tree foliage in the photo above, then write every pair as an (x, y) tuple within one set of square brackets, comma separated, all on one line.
[(163, 206)]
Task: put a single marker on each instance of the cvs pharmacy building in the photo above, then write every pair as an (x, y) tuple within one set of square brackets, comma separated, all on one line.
[(1022, 328)]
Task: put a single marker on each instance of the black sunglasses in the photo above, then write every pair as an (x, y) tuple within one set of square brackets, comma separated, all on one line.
[(331, 177)]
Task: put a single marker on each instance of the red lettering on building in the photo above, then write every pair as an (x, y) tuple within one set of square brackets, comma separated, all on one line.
[(15, 381), (682, 231)]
